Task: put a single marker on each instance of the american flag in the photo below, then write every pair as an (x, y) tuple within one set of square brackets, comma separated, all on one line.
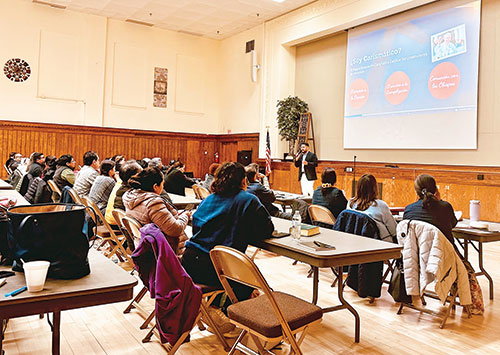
[(268, 154)]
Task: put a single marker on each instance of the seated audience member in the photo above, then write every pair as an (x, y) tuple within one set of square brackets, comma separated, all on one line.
[(176, 181), (265, 196), (87, 174), (366, 201), (230, 216), (64, 174), (14, 163), (209, 177), (261, 177), (118, 159), (37, 163), (430, 208), (50, 167), (38, 190), (125, 172), (18, 173), (143, 163), (103, 185), (144, 203), (10, 160), (327, 195)]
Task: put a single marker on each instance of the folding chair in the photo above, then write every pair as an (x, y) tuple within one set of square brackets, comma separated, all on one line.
[(404, 230), (291, 314), (204, 193), (321, 214), (107, 234), (56, 192), (119, 216), (76, 198), (208, 296), (196, 191)]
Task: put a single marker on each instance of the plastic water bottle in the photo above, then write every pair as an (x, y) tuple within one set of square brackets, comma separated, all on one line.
[(296, 221)]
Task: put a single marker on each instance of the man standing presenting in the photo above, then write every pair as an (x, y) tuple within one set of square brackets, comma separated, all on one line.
[(307, 162)]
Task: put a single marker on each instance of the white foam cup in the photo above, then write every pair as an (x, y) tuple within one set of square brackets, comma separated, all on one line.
[(35, 273)]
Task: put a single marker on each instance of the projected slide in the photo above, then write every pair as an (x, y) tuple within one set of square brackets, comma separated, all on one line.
[(411, 81)]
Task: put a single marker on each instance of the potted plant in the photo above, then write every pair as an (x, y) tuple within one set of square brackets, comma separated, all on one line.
[(289, 111)]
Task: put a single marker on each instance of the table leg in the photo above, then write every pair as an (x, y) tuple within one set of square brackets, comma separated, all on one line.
[(56, 335), (2, 324), (315, 284), (483, 270), (357, 320), (466, 249)]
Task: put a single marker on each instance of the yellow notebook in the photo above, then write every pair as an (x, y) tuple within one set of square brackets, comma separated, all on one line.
[(307, 230)]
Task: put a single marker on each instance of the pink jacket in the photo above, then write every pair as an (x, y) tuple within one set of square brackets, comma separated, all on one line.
[(177, 298), (149, 207)]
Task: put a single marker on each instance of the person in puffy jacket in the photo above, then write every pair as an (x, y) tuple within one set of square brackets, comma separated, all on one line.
[(144, 203)]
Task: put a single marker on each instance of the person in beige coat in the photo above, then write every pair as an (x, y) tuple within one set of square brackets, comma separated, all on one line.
[(143, 202)]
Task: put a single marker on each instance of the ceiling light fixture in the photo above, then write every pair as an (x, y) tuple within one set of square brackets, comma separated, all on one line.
[(137, 22), (279, 1)]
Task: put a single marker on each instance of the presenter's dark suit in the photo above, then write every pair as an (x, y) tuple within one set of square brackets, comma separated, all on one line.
[(310, 168)]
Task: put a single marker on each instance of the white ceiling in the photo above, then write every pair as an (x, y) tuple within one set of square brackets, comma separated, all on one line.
[(200, 17)]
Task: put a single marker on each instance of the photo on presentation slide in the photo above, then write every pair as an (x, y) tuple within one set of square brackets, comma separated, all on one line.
[(448, 43), (412, 79)]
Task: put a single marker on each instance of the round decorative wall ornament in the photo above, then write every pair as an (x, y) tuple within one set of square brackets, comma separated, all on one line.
[(17, 70)]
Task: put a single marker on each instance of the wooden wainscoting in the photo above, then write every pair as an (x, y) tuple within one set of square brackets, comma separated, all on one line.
[(457, 184), (196, 150)]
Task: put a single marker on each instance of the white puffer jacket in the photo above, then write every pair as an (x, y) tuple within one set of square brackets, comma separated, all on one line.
[(439, 262)]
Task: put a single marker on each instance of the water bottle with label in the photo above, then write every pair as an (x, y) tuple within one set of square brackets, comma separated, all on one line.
[(296, 221)]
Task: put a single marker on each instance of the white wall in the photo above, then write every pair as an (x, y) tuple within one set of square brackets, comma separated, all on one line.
[(65, 51), (241, 99), (193, 79), (89, 70)]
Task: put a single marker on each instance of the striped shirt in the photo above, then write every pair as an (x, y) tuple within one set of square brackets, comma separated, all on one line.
[(84, 180)]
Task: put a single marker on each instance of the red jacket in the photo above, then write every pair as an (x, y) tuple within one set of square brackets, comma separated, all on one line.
[(177, 297)]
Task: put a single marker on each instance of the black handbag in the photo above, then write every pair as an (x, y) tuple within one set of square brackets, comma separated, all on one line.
[(51, 232), (397, 286)]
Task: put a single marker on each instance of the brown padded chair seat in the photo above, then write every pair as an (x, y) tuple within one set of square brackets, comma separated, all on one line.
[(258, 314)]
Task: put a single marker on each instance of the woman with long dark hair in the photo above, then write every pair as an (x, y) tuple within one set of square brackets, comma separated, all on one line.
[(366, 201), (327, 195), (230, 216), (430, 208)]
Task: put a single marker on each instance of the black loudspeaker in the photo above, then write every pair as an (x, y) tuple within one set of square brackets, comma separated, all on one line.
[(244, 157)]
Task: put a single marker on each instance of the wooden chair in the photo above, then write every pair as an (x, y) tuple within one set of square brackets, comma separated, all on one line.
[(451, 298), (321, 214), (119, 216), (75, 197), (9, 172), (291, 314), (108, 236), (195, 190), (208, 296), (200, 192), (56, 191)]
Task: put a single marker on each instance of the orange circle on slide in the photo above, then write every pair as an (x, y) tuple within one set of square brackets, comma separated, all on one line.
[(397, 88), (358, 93), (444, 80)]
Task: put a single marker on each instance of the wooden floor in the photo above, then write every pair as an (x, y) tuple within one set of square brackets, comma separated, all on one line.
[(106, 330)]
